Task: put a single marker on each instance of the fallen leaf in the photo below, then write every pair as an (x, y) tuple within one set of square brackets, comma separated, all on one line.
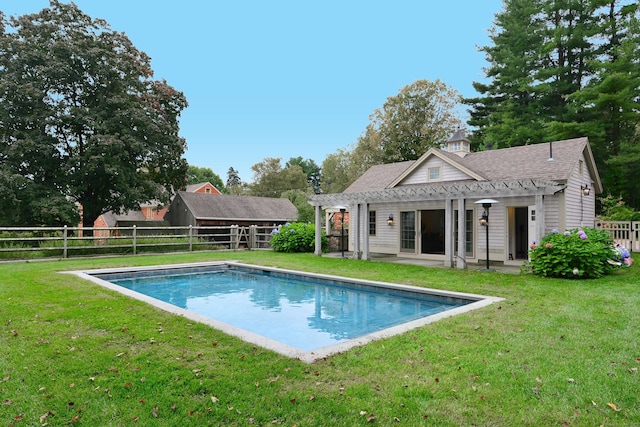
[(45, 416), (154, 411), (371, 418), (214, 399), (613, 406), (571, 380)]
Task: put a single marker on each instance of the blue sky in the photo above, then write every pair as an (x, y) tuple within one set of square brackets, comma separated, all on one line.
[(292, 78)]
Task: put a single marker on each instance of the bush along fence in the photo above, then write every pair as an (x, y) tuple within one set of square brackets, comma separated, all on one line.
[(65, 242), (624, 233)]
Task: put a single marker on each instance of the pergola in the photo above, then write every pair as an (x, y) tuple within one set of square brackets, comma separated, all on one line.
[(451, 193)]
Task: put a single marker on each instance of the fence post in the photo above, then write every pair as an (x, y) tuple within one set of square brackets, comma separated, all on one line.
[(234, 237), (190, 238), (250, 237), (134, 240), (64, 245)]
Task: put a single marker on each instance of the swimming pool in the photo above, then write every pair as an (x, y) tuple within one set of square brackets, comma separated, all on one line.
[(302, 315)]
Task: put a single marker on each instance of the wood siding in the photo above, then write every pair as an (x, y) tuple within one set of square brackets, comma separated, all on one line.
[(420, 175)]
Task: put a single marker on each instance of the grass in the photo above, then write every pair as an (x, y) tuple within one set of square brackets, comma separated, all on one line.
[(554, 353)]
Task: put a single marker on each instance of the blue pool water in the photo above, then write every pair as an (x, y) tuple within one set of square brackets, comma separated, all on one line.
[(305, 313)]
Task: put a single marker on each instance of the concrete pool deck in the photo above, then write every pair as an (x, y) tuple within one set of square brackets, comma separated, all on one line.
[(393, 259)]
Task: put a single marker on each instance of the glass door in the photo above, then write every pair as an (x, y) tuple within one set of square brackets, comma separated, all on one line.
[(408, 231)]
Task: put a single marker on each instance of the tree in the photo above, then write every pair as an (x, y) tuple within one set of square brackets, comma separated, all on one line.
[(421, 116), (196, 175), (310, 168), (82, 118), (234, 183), (337, 171), (271, 180), (564, 69)]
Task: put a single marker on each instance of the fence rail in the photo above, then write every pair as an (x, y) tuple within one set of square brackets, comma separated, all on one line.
[(65, 242), (627, 233)]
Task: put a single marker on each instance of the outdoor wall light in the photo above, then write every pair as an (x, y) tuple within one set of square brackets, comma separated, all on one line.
[(484, 218), (390, 219), (585, 190)]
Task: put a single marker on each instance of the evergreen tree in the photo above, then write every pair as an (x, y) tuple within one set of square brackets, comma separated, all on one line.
[(563, 69)]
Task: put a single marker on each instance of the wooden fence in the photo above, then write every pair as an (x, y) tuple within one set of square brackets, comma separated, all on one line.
[(627, 233), (65, 242)]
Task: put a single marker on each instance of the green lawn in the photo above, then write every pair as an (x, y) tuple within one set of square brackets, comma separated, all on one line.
[(553, 353)]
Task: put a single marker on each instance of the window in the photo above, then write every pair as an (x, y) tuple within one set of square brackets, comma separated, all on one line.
[(207, 191), (454, 146), (372, 223), (581, 168), (434, 173)]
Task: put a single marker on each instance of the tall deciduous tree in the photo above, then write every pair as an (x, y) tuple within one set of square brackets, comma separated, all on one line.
[(422, 115), (196, 175), (270, 179), (82, 117)]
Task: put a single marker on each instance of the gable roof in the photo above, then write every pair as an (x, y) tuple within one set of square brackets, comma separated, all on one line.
[(192, 188), (515, 163), (450, 158), (227, 207), (379, 177)]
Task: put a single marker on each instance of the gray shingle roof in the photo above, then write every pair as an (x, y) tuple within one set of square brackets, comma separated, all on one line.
[(524, 162), (528, 161), (223, 206), (112, 219), (378, 177)]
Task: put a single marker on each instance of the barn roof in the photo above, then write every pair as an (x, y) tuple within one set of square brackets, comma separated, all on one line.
[(226, 207)]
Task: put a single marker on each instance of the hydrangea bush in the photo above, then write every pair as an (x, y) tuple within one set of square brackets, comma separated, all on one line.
[(582, 253), (296, 237)]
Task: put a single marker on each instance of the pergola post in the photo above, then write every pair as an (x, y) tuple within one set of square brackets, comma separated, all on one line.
[(318, 247), (461, 261)]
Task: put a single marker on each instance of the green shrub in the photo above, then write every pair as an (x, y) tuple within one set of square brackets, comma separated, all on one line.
[(296, 237), (582, 253)]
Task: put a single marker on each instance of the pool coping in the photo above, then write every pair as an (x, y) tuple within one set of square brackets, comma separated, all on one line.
[(479, 301)]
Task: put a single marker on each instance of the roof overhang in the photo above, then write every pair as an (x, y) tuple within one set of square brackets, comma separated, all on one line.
[(443, 191)]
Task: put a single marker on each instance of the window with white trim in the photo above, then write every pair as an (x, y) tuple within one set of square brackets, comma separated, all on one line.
[(434, 173)]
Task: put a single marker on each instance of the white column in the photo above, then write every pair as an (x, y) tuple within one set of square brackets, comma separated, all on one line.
[(318, 248), (461, 261), (448, 234), (540, 225), (365, 231)]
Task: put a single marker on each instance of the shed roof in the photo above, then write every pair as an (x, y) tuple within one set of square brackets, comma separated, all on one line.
[(112, 219), (244, 208)]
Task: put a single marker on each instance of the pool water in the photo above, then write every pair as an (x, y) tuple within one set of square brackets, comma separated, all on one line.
[(300, 315), (304, 313)]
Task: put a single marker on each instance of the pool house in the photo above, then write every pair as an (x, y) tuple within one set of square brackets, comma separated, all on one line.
[(508, 198)]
